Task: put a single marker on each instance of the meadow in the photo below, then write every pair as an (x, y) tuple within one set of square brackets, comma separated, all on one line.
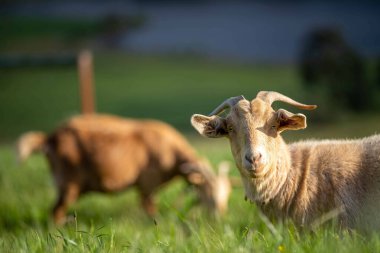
[(169, 88)]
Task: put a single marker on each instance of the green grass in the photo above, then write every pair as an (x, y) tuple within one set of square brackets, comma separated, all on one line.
[(116, 223), (166, 88)]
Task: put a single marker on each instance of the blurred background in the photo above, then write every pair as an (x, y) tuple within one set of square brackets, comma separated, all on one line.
[(170, 59)]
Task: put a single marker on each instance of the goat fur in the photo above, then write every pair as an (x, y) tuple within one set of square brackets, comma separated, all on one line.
[(106, 153)]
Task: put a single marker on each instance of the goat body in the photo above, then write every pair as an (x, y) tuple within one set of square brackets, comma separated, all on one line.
[(314, 178)]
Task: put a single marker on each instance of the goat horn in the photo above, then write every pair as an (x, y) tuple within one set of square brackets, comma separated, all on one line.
[(228, 103), (272, 96)]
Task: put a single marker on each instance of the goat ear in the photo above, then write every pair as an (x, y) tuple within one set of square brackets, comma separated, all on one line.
[(289, 121), (212, 127)]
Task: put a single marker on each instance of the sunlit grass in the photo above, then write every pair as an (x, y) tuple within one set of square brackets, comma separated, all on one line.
[(116, 223)]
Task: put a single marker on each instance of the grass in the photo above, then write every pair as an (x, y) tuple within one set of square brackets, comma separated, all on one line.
[(167, 88), (115, 223), (170, 89)]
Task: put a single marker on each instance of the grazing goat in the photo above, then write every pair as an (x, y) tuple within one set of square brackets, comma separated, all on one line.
[(307, 181), (109, 154)]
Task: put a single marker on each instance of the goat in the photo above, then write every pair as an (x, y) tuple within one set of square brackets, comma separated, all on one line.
[(106, 153), (306, 181)]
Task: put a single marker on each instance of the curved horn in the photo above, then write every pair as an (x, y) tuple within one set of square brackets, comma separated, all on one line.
[(272, 96), (226, 104)]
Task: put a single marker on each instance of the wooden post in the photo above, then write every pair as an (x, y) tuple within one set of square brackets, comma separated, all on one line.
[(85, 69)]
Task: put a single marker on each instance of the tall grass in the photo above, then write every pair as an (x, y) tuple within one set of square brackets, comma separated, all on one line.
[(116, 223)]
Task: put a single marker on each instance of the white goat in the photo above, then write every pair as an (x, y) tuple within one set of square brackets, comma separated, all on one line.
[(306, 181)]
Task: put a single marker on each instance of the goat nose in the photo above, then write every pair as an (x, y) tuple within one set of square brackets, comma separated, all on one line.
[(249, 159), (253, 158)]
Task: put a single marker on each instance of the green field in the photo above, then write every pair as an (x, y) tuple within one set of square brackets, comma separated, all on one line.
[(167, 88)]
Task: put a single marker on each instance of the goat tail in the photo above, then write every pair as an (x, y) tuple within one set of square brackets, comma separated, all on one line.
[(29, 143)]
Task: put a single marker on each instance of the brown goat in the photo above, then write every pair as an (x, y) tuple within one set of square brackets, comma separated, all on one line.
[(308, 181), (109, 154)]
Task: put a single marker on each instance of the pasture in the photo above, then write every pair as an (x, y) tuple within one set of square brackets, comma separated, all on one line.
[(170, 89)]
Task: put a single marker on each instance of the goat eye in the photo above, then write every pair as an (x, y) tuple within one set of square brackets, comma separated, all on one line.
[(274, 127), (230, 129)]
